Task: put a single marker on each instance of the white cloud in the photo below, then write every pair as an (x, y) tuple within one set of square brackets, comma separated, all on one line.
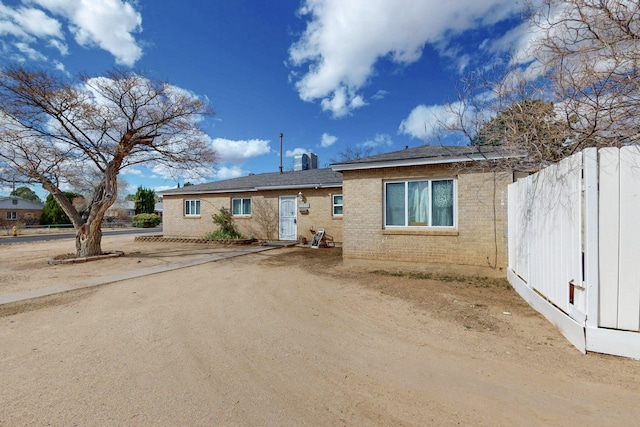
[(425, 122), (327, 140), (37, 23), (381, 94), (60, 46), (344, 40), (378, 140), (238, 151), (295, 151), (30, 52), (132, 171), (108, 24), (229, 172)]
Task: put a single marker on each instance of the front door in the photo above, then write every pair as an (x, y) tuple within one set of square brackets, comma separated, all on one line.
[(288, 228)]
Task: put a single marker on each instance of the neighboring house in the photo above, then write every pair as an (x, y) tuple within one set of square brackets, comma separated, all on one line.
[(17, 209), (124, 211), (273, 206), (430, 204), (121, 211), (158, 209)]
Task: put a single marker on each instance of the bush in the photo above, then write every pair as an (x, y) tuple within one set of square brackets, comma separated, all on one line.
[(226, 228), (146, 220)]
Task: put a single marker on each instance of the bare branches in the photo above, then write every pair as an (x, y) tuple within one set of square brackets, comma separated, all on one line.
[(576, 86), (54, 132), (590, 51)]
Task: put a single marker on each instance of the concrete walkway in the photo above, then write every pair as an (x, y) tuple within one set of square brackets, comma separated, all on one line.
[(126, 275)]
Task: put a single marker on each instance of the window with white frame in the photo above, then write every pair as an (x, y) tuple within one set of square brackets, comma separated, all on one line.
[(192, 208), (12, 216), (419, 203), (241, 207), (336, 202)]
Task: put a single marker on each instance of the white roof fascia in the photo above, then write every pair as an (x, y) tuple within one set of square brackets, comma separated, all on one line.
[(414, 162), (294, 187), (187, 193)]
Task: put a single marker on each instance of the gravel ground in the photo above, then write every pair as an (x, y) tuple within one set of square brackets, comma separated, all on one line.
[(289, 337)]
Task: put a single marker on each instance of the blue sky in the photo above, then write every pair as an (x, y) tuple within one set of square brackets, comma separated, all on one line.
[(325, 73)]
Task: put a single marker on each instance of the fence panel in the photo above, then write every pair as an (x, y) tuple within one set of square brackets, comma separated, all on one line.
[(609, 232), (556, 231), (629, 282)]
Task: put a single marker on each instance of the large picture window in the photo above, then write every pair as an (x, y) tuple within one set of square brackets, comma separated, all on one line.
[(241, 207), (420, 203), (192, 207)]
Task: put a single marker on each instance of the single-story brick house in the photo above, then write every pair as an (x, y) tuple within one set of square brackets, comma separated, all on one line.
[(429, 205), (19, 210), (283, 206)]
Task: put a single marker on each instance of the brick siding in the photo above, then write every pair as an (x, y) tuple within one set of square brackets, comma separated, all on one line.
[(176, 224), (477, 240)]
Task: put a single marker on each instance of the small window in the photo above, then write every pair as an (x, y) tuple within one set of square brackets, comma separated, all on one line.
[(336, 201), (14, 201), (241, 207), (420, 203), (12, 216), (192, 207)]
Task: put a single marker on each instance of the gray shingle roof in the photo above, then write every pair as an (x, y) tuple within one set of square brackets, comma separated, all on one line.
[(8, 203), (266, 181), (424, 155)]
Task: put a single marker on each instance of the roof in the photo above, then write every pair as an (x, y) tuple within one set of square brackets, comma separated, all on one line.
[(130, 205), (24, 204), (311, 178), (425, 155)]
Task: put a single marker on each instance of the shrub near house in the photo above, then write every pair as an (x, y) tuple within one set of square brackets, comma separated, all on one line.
[(146, 220)]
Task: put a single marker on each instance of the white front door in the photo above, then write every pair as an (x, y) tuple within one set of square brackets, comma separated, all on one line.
[(288, 228)]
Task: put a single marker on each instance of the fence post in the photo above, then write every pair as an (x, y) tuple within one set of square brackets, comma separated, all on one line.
[(590, 230)]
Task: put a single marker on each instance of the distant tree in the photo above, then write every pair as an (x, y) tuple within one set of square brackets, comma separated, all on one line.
[(52, 213), (26, 193), (187, 184), (528, 127), (130, 198), (145, 201), (55, 131), (350, 152)]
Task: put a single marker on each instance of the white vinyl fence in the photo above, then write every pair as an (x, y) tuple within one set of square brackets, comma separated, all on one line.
[(574, 247)]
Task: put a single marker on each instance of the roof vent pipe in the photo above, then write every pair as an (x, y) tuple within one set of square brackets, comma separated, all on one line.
[(281, 135)]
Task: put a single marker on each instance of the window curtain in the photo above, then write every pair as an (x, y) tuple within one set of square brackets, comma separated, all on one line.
[(236, 207), (395, 204), (442, 203), (418, 203)]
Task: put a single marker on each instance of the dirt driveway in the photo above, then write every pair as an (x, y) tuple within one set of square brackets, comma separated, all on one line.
[(289, 337)]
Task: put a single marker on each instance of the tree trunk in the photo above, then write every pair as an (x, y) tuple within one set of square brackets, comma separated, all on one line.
[(88, 239)]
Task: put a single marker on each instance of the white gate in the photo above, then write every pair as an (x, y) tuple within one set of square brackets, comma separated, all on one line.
[(574, 240), (620, 238), (288, 229)]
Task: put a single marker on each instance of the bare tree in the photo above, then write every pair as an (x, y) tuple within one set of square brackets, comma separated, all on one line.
[(265, 215), (58, 133), (590, 53), (577, 86), (350, 152), (501, 112)]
